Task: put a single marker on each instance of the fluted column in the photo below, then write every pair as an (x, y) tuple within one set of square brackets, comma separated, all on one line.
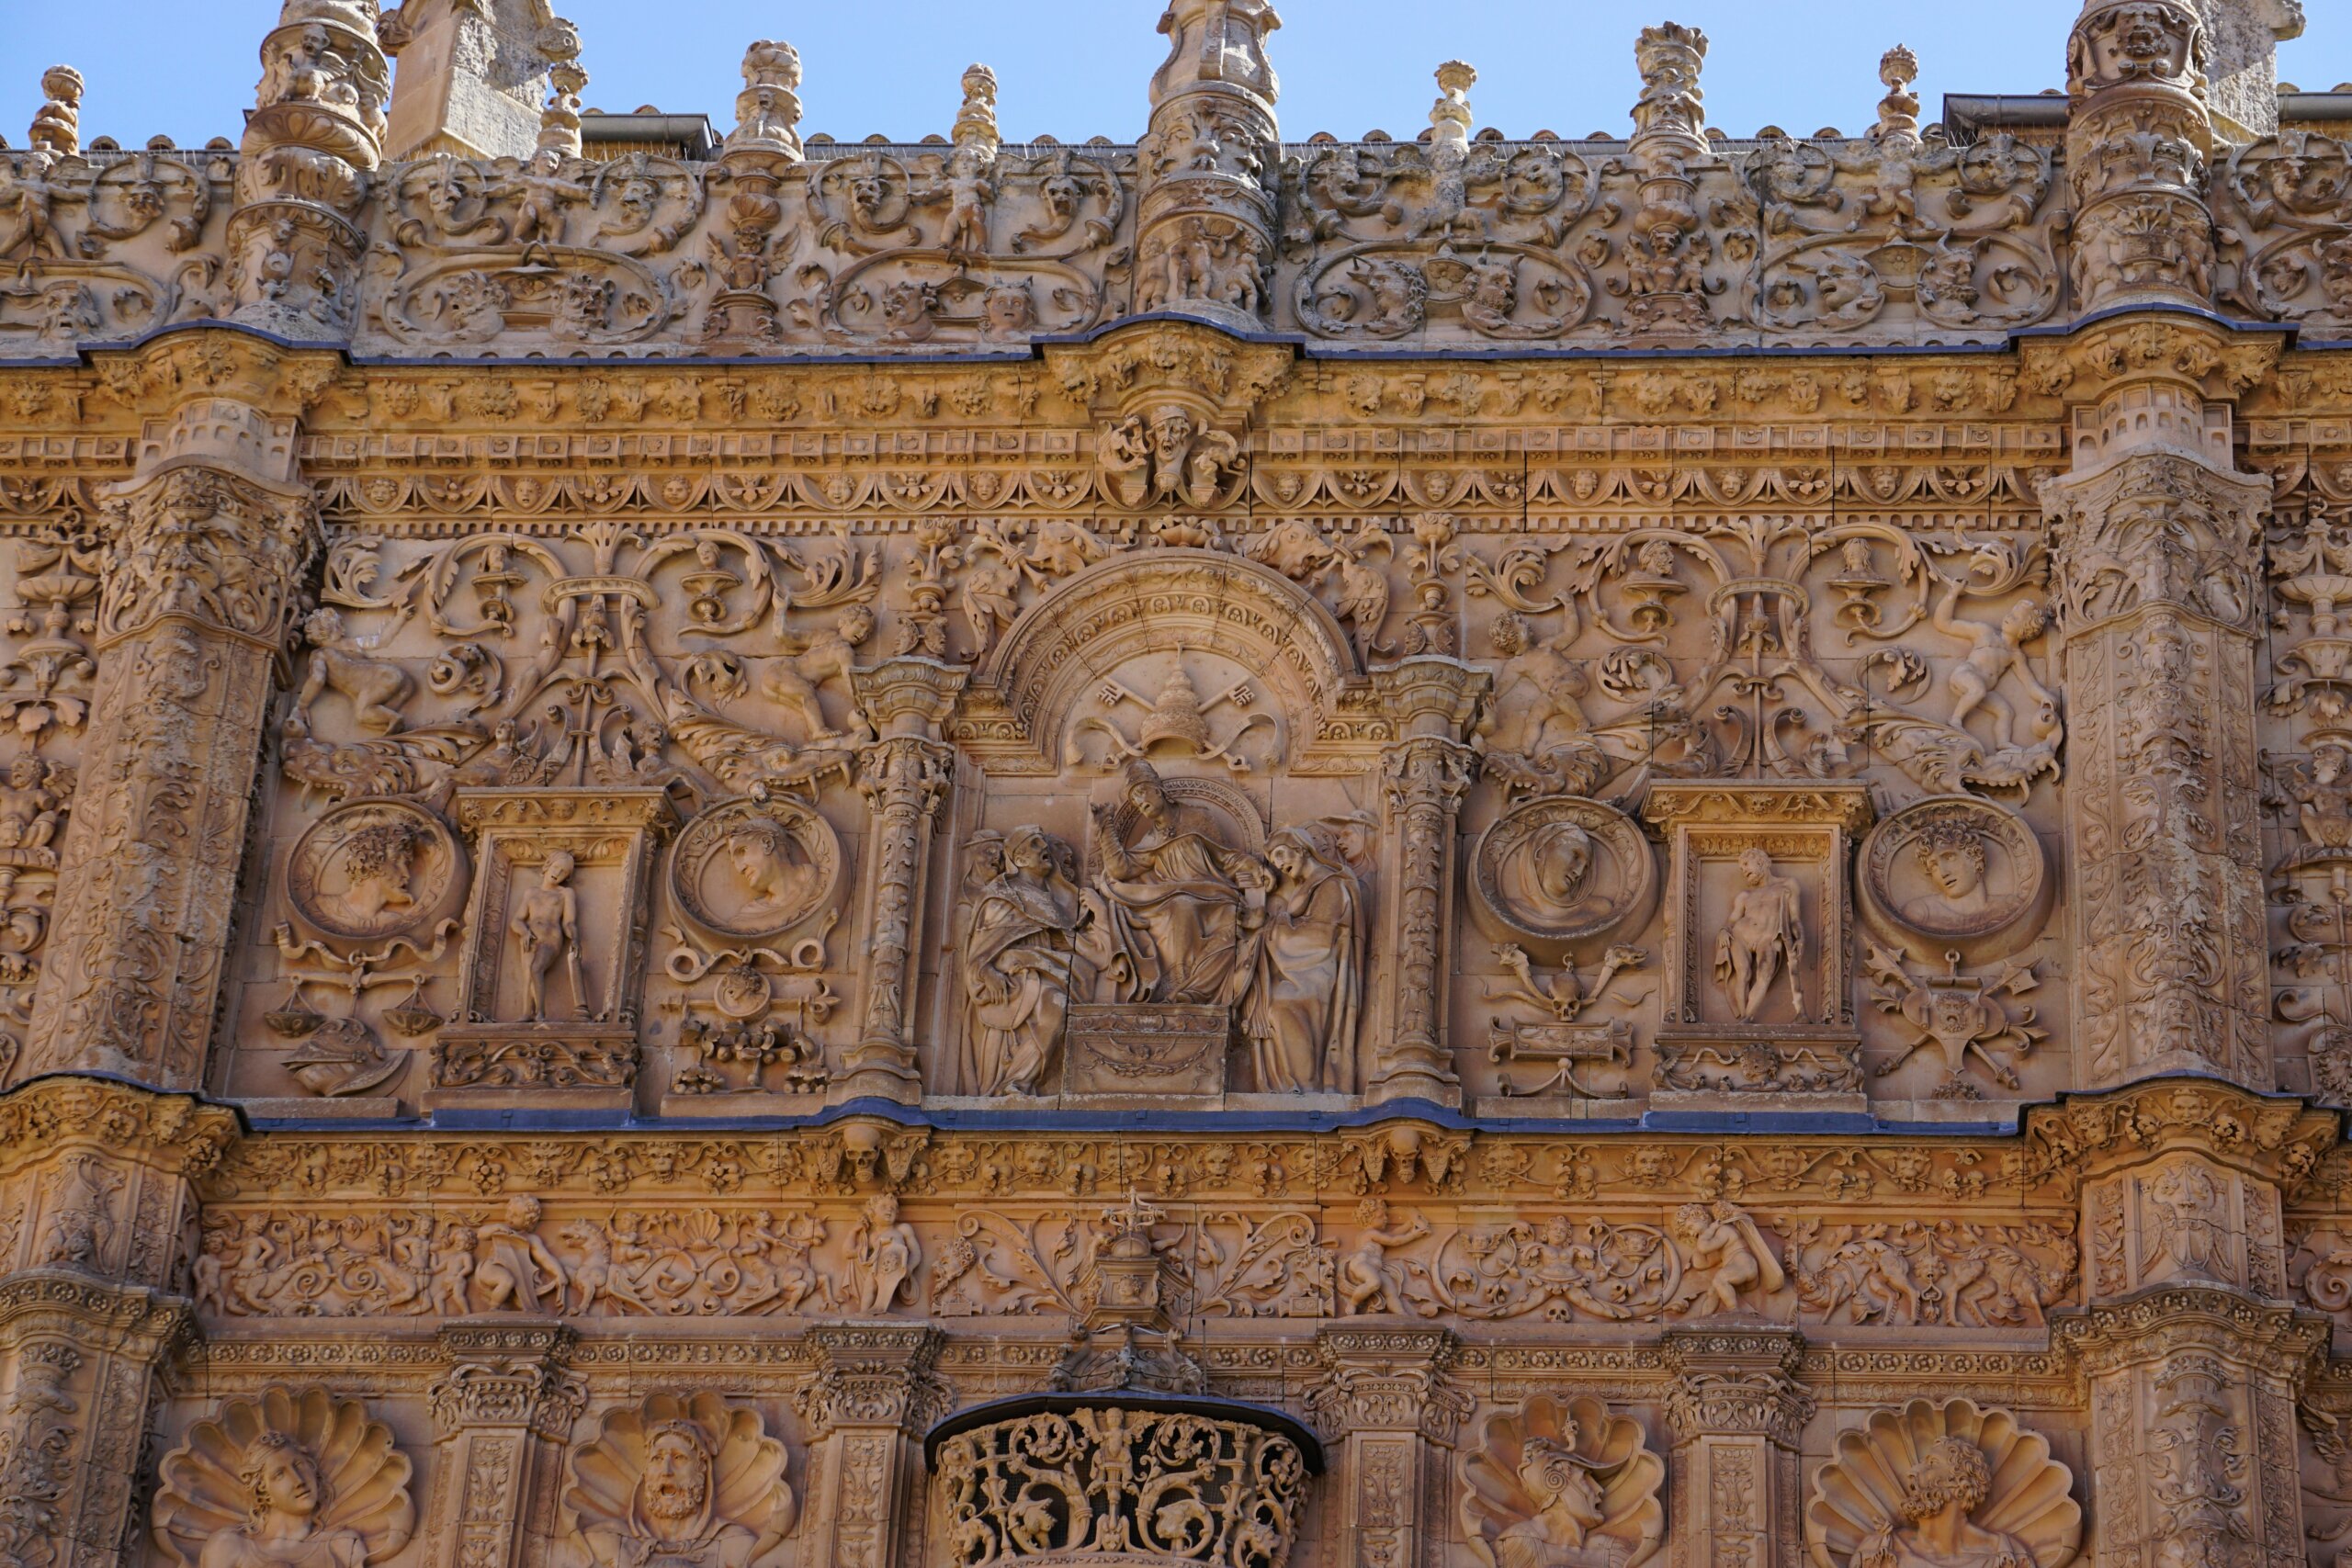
[(1426, 772), (876, 1393), (1212, 166), (2137, 139), (210, 545), (1390, 1409), (100, 1176), (2155, 535), (905, 777), (315, 135), (1737, 1415), (501, 1415)]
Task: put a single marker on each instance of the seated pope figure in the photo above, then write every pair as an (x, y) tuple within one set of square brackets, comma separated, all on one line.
[(1178, 898), (288, 1495)]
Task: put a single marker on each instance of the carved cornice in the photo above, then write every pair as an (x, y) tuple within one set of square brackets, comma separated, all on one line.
[(2272, 1339), (1130, 367), (174, 1133), (94, 1314), (2271, 1137), (215, 361)]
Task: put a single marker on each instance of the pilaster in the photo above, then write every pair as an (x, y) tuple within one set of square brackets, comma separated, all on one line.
[(2160, 608), (2191, 1354), (1737, 1415), (876, 1393), (500, 1416), (1389, 1406), (95, 1177), (1427, 771), (904, 777), (210, 547)]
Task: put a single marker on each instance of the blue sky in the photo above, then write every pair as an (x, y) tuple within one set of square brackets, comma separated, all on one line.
[(1077, 68)]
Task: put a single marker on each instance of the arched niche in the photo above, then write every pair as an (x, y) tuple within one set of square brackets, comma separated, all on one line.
[(1135, 609)]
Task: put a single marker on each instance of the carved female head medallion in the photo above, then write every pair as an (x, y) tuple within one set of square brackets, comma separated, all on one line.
[(755, 869), (1553, 872), (1955, 872), (376, 868), (1947, 1484), (1563, 1480), (288, 1476)]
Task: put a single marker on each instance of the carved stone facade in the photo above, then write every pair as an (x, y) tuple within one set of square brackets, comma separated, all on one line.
[(1472, 850)]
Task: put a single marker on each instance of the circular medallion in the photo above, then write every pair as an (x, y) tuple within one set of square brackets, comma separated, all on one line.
[(372, 869), (754, 869), (1562, 869), (1955, 872), (742, 992)]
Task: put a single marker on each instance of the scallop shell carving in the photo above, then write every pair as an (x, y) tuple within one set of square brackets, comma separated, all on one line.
[(1858, 1501), (741, 1499), (204, 1493), (1562, 1481)]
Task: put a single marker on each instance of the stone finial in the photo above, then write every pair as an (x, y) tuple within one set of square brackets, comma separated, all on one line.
[(976, 122), (1220, 45), (768, 108), (559, 120), (1898, 112), (1669, 56), (57, 126), (1450, 116)]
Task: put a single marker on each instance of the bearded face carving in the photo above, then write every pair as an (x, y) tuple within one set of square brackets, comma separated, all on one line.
[(1943, 1486), (679, 1482)]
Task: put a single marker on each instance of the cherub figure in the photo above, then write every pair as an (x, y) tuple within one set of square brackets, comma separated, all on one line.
[(883, 1255), (828, 655), (1722, 1254), (1993, 652), (340, 662), (1367, 1281), (541, 192), (32, 804)]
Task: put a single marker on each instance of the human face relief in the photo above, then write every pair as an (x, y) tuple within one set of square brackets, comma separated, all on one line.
[(676, 1478)]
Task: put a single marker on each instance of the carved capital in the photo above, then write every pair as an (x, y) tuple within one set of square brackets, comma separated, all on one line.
[(1735, 1381), (1388, 1381), (871, 1374), (502, 1376), (209, 549)]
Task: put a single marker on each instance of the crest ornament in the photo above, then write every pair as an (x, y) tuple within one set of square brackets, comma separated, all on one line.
[(1563, 1480), (287, 1478), (1945, 1483)]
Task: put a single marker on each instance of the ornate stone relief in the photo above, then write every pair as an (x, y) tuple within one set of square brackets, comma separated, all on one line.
[(288, 1477), (1113, 1484), (1561, 1481), (864, 814), (1943, 1484), (679, 1479)]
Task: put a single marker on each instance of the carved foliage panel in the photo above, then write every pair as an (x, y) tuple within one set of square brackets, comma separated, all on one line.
[(544, 800)]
